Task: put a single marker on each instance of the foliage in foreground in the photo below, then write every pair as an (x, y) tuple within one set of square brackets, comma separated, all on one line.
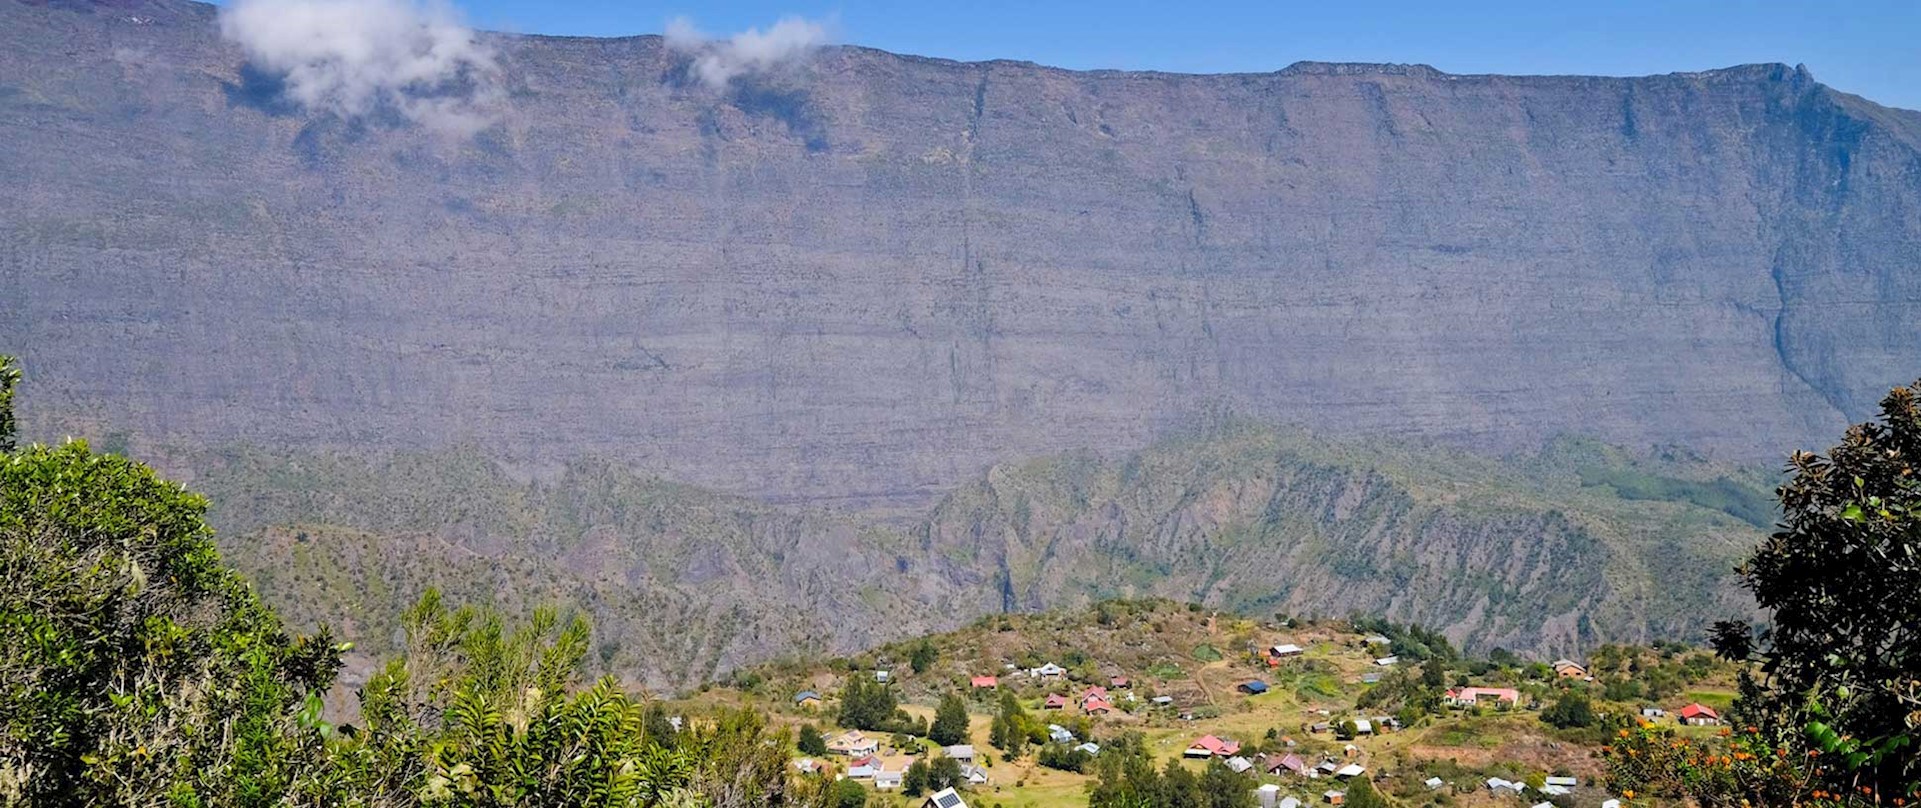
[(134, 667), (137, 669), (1834, 714)]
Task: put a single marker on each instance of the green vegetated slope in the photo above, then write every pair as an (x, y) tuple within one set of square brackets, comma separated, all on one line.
[(680, 583), (1543, 553), (1521, 553)]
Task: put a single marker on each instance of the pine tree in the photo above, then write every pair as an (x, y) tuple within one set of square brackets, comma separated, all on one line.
[(950, 722)]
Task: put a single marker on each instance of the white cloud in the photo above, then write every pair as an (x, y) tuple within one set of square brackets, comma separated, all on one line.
[(718, 63), (351, 57)]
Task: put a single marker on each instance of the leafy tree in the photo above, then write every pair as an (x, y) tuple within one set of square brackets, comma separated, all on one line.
[(931, 775), (914, 782), (1571, 711), (1179, 788), (847, 794), (9, 377), (868, 705), (1011, 728), (136, 668), (950, 722), (944, 772), (1220, 787), (923, 656), (1840, 661), (810, 741), (1064, 757), (658, 727), (1434, 673), (1361, 794)]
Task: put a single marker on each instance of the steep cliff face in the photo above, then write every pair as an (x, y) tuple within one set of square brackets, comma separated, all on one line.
[(878, 276)]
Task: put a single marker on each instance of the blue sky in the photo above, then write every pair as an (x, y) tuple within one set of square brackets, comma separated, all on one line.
[(1872, 47)]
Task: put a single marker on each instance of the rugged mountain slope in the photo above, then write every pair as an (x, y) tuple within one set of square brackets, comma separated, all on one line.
[(1256, 520), (681, 583), (880, 275), (1544, 555)]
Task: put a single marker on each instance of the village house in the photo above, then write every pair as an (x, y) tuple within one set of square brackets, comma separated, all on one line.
[(806, 699), (1699, 715), (985, 682), (1388, 661), (1253, 687), (1285, 650), (864, 768), (1093, 692), (944, 798), (1091, 748), (1120, 682), (885, 780), (1497, 785), (1210, 746), (853, 744), (1048, 671), (1055, 701), (1289, 763), (1162, 701), (1239, 765), (1096, 707), (961, 752), (1476, 696), (1569, 669), (1350, 770), (1266, 795), (1334, 797), (1059, 734)]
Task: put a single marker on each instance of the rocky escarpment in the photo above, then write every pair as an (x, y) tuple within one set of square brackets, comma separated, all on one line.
[(879, 275)]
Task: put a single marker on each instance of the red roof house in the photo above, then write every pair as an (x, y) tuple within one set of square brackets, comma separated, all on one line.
[(1468, 696), (1210, 746), (1055, 701), (1699, 715), (986, 682)]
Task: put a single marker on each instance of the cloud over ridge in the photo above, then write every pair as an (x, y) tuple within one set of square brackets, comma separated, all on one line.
[(717, 63), (353, 57)]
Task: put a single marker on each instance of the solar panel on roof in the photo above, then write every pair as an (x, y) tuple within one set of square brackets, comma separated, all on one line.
[(949, 800)]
